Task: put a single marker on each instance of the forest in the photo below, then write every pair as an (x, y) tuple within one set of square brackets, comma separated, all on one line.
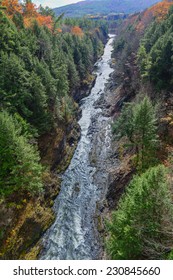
[(141, 226), (47, 66), (40, 68), (44, 62)]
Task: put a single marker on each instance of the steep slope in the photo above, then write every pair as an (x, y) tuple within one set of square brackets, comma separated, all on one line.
[(104, 7), (143, 78), (44, 69)]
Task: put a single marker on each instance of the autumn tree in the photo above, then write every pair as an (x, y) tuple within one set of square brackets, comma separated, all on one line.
[(76, 30), (12, 7), (29, 9), (2, 7), (161, 9)]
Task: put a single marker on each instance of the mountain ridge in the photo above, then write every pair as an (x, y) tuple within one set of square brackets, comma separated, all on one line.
[(93, 7)]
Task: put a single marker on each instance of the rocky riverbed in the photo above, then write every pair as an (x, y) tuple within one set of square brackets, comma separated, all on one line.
[(75, 234)]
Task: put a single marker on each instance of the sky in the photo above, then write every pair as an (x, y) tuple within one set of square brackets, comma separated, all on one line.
[(54, 3)]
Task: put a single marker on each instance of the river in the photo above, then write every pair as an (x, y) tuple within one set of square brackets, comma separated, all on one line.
[(74, 235)]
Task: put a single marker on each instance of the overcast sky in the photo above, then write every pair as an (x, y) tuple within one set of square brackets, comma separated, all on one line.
[(54, 3)]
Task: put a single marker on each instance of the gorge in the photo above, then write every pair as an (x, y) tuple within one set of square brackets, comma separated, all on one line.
[(74, 234)]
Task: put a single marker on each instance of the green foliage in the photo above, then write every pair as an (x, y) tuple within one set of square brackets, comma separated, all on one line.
[(46, 11), (39, 69), (25, 128), (14, 83), (73, 75), (156, 52), (67, 108), (144, 61), (8, 35), (19, 160), (141, 228), (57, 22), (137, 123), (119, 45)]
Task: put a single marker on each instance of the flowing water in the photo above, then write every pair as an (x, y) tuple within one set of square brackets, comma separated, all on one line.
[(74, 236)]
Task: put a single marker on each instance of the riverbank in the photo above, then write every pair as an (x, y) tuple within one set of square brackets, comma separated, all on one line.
[(113, 167), (55, 70), (74, 234), (24, 221)]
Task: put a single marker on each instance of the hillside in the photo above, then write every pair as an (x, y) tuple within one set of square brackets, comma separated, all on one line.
[(103, 7), (106, 158), (143, 128), (45, 67)]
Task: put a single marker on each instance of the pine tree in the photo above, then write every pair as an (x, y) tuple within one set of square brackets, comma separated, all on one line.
[(19, 160), (73, 77), (137, 123), (144, 61), (141, 228)]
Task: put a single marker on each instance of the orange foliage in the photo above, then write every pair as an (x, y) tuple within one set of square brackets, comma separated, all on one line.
[(59, 30), (159, 11), (144, 20), (44, 20), (12, 6), (29, 12), (76, 30), (27, 21)]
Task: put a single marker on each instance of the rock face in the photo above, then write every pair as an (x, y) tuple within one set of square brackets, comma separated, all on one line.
[(84, 90), (126, 85), (27, 229), (59, 144), (118, 180), (24, 219)]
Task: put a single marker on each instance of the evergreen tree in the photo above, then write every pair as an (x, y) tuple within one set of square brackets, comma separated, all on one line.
[(144, 61), (19, 160), (14, 84), (155, 53), (8, 34), (141, 228), (73, 76), (137, 123), (40, 66), (38, 105)]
